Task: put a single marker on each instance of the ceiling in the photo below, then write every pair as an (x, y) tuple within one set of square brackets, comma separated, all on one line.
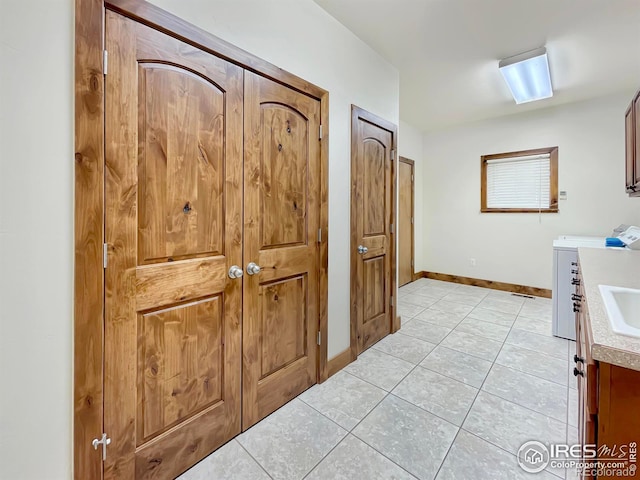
[(447, 51)]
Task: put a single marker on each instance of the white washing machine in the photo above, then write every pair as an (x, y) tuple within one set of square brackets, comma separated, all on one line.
[(565, 266)]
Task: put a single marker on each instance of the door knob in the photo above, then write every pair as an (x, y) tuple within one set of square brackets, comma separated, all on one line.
[(235, 272), (253, 268), (362, 250)]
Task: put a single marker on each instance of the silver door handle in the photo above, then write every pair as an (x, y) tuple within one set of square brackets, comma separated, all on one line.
[(253, 268), (235, 271), (362, 250)]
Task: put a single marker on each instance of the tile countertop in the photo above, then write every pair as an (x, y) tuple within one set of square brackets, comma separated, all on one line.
[(620, 268)]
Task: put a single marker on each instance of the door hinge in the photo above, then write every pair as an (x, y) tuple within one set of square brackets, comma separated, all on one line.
[(320, 133), (412, 220), (391, 228), (319, 338), (105, 255), (412, 263), (391, 301), (393, 154), (319, 235), (104, 441), (105, 61), (412, 178)]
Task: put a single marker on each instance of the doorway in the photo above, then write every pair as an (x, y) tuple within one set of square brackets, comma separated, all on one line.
[(406, 181)]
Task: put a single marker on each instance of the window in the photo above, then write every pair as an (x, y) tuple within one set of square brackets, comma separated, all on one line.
[(525, 181)]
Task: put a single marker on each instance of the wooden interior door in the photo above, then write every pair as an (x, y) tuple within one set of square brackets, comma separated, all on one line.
[(173, 195), (281, 221), (405, 220), (372, 216)]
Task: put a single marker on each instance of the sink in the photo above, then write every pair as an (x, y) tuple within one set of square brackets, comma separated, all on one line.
[(623, 309)]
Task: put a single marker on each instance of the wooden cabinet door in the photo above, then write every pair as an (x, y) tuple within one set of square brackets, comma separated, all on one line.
[(173, 228), (372, 142), (281, 221), (630, 147)]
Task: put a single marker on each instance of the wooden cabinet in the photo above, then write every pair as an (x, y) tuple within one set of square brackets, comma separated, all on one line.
[(608, 397), (632, 147)]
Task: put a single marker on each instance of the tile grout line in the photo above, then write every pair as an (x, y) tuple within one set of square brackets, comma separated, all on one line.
[(476, 397), (254, 459)]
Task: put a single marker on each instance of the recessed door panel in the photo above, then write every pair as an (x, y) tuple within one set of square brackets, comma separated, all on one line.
[(281, 208), (374, 289), (284, 171), (284, 323), (173, 131), (180, 363), (374, 186), (181, 158)]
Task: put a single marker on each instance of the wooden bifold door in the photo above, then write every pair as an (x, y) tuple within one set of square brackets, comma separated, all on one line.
[(208, 168)]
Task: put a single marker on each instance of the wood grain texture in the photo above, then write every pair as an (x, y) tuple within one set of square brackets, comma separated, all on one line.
[(182, 145), (271, 378), (181, 362), (405, 221), (284, 178), (172, 369), (120, 342), (636, 162), (89, 128), (173, 282), (323, 246), (340, 361), (163, 21), (88, 239), (373, 210), (477, 282), (284, 323), (630, 147)]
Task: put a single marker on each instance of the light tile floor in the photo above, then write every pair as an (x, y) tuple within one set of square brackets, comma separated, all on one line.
[(471, 375)]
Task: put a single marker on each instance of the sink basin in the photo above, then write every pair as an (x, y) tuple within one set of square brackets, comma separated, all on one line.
[(623, 309)]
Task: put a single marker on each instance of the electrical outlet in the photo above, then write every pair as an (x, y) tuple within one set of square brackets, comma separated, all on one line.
[(472, 262)]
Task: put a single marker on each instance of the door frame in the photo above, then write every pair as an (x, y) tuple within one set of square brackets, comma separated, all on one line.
[(358, 113), (412, 164), (89, 209)]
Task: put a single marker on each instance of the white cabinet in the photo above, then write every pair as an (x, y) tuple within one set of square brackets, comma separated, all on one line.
[(565, 261), (565, 266)]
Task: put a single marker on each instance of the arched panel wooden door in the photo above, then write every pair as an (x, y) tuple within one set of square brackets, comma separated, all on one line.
[(372, 229), (173, 229), (282, 218)]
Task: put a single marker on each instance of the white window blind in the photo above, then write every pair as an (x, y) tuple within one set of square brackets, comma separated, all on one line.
[(519, 182)]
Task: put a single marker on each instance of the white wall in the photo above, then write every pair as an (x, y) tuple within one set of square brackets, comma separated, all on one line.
[(410, 145), (300, 37), (36, 241), (517, 248), (36, 191)]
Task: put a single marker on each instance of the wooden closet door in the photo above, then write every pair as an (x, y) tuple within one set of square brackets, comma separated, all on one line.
[(372, 249), (173, 229), (281, 220)]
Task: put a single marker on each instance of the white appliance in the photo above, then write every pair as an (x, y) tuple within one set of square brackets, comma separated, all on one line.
[(631, 238), (565, 268)]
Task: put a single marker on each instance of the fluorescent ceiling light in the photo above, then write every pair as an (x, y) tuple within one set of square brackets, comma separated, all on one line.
[(527, 75)]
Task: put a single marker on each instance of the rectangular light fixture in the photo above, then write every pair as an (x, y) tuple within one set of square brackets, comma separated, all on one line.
[(527, 75)]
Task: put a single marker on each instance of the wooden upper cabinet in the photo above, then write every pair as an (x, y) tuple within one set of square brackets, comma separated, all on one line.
[(632, 147)]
